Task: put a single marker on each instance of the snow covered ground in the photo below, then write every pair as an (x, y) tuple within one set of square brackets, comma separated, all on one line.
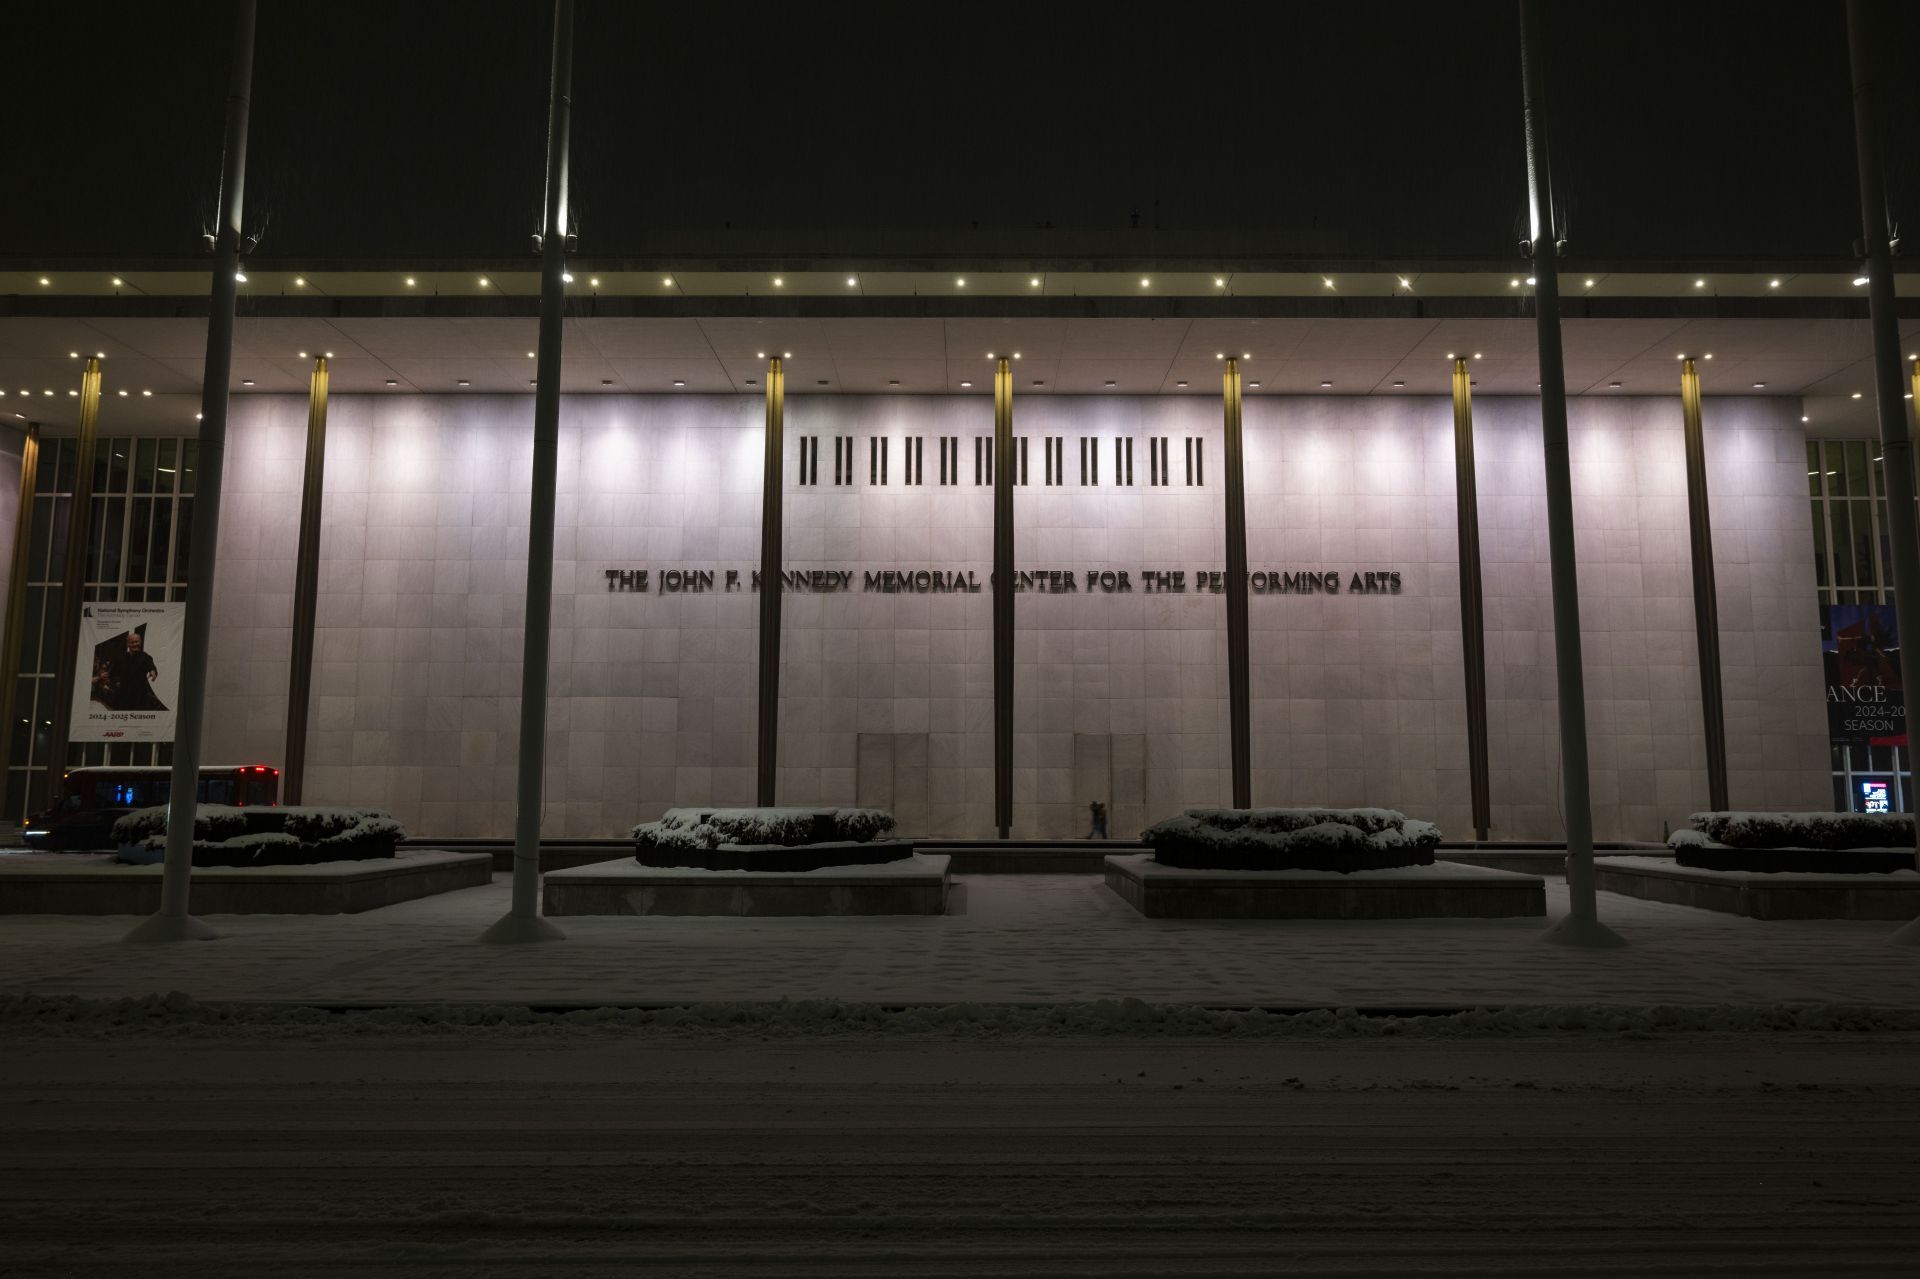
[(497, 1154), (1013, 939)]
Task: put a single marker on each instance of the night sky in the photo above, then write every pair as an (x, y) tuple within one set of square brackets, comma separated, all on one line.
[(1052, 131)]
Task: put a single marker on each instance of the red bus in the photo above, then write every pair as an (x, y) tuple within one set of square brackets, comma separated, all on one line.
[(93, 799)]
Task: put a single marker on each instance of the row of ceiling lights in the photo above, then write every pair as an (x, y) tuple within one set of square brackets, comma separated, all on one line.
[(853, 281)]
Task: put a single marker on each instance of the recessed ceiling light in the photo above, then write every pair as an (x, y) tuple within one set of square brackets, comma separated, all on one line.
[(246, 381), (667, 282), (1146, 282), (962, 281), (1681, 356), (1858, 280), (1613, 386), (965, 385), (1856, 395), (73, 355), (530, 355), (1707, 356), (484, 281), (1179, 383), (759, 355), (1476, 355), (778, 283), (303, 355), (786, 355), (1326, 384), (198, 416), (149, 394), (393, 382), (1219, 355), (679, 382), (1450, 355), (123, 393), (1035, 282), (1219, 282), (1405, 283), (463, 382), (1758, 385), (1016, 355), (1254, 385), (1111, 382), (1396, 384), (1589, 283), (49, 391), (851, 281)]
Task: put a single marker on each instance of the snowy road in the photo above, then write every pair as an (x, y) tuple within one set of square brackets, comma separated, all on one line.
[(493, 1155)]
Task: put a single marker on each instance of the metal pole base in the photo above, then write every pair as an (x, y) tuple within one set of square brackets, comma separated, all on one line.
[(166, 928), (510, 930), (1588, 933), (1907, 934)]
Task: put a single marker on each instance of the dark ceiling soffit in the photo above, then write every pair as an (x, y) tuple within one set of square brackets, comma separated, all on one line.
[(1186, 261), (1093, 308)]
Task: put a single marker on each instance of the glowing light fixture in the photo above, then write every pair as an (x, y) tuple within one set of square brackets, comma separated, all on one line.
[(484, 281), (240, 276), (1589, 283), (300, 281), (1035, 282), (44, 281), (852, 281), (1773, 284), (1856, 395), (1146, 282), (246, 381), (679, 382), (123, 394), (1327, 280), (962, 281), (1531, 280), (1699, 284), (593, 282), (566, 277), (118, 282), (409, 281), (1859, 280), (779, 283), (966, 386), (148, 394)]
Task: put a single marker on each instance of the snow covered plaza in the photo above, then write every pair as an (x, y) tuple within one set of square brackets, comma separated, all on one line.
[(886, 640)]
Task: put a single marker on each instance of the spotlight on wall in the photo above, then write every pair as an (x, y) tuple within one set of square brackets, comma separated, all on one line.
[(1859, 280), (44, 282), (961, 282), (1856, 395), (148, 394), (484, 281), (123, 395), (1589, 283), (1219, 282), (1773, 284), (852, 281), (779, 283), (118, 282), (1146, 282), (1034, 282), (593, 282), (240, 277), (1514, 283), (409, 281), (1699, 284), (300, 281), (667, 283)]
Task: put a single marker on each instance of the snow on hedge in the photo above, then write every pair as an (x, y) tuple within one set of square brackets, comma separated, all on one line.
[(781, 827), (1292, 838), (263, 836), (1795, 830)]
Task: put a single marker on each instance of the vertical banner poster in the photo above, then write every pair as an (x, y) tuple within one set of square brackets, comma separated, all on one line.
[(1865, 703), (127, 676)]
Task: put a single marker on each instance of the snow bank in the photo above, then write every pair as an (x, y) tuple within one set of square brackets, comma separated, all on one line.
[(176, 1014), (1330, 839)]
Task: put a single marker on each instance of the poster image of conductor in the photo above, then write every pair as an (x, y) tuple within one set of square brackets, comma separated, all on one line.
[(128, 676), (1865, 702)]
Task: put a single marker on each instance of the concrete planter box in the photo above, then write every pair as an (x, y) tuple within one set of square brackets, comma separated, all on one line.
[(94, 884), (913, 885), (1893, 895), (1440, 890)]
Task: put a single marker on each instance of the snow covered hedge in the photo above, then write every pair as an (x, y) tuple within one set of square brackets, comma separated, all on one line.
[(1338, 839), (291, 836), (1836, 843), (766, 838), (1800, 830)]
